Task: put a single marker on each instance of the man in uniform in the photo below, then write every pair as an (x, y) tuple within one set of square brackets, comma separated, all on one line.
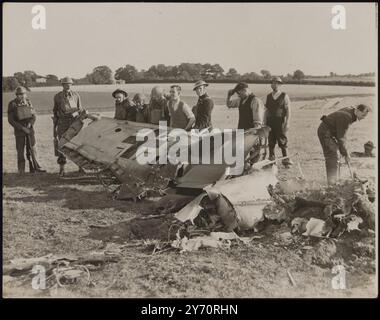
[(277, 117), (158, 109), (124, 109), (180, 113), (21, 116), (251, 108), (67, 106), (332, 136), (203, 108)]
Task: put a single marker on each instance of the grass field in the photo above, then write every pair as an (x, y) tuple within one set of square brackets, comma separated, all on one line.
[(99, 98), (45, 214)]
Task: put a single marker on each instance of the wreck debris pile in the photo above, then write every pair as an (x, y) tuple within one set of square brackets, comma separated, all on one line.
[(295, 214), (324, 211)]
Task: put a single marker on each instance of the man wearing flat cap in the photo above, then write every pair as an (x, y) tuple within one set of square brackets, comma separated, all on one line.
[(124, 109), (67, 106), (277, 117), (203, 109), (21, 116), (251, 108)]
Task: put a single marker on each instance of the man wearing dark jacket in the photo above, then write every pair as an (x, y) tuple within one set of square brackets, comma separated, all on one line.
[(21, 116), (332, 136), (124, 108), (203, 109)]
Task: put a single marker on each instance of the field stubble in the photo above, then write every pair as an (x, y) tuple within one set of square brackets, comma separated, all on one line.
[(44, 214)]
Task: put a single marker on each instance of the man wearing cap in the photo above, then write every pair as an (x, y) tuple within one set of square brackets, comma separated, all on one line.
[(202, 110), (67, 106), (277, 117), (21, 116), (332, 136), (251, 108), (124, 109), (158, 109), (180, 113)]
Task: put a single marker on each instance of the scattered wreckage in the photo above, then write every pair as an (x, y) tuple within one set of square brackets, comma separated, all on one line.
[(202, 205), (204, 202)]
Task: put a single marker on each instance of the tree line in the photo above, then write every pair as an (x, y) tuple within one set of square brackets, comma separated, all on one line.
[(185, 72)]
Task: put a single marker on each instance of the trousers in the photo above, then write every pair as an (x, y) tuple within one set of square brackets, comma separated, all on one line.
[(330, 152)]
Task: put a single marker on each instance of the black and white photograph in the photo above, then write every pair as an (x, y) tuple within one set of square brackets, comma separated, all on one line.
[(190, 150)]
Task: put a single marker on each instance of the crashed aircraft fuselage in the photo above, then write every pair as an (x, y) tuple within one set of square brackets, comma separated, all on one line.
[(115, 145)]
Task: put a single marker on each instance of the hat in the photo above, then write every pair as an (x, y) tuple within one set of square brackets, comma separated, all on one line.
[(369, 144), (20, 90), (67, 80), (277, 79), (119, 91), (200, 83), (240, 86)]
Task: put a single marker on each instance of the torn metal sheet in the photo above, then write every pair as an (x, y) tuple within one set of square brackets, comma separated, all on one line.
[(247, 196), (315, 228), (193, 244), (191, 210)]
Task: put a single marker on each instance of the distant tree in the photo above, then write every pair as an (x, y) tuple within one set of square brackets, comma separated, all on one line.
[(217, 71), (127, 73), (191, 71), (52, 80), (185, 76), (232, 74), (298, 75), (266, 74), (101, 75), (9, 83), (250, 76)]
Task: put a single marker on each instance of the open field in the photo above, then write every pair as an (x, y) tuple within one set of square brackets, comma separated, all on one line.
[(98, 97), (45, 214), (343, 78)]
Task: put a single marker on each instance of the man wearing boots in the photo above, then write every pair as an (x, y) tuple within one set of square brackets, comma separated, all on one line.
[(277, 117), (21, 117), (67, 106)]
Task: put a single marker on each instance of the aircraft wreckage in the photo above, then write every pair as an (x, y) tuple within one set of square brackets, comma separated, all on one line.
[(111, 147)]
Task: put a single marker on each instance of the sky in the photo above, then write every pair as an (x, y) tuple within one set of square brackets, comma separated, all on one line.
[(247, 36)]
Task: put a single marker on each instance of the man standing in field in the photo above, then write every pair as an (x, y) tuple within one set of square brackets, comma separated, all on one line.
[(124, 109), (277, 117), (67, 106), (203, 108), (21, 116), (332, 136), (141, 108), (180, 113), (158, 109), (251, 108)]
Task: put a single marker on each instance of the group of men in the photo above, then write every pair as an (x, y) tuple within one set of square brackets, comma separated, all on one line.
[(253, 113), (166, 107)]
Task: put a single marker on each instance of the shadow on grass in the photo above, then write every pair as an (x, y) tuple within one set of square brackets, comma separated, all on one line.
[(72, 191)]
